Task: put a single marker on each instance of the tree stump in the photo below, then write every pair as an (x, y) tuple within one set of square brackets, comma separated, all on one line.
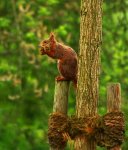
[(114, 101), (61, 99)]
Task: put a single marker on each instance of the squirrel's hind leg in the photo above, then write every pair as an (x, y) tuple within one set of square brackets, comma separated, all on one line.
[(61, 78)]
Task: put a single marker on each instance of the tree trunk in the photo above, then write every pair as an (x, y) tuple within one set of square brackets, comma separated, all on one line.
[(88, 65)]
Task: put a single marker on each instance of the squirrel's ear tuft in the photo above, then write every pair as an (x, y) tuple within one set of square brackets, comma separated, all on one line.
[(52, 37)]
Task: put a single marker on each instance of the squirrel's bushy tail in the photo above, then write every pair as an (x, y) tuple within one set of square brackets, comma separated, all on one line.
[(75, 84)]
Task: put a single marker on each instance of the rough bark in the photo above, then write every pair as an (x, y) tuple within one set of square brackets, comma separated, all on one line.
[(88, 64), (114, 101)]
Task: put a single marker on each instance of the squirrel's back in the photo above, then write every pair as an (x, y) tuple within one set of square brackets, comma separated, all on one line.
[(65, 52)]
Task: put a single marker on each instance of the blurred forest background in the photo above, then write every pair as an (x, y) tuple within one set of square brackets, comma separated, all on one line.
[(27, 78)]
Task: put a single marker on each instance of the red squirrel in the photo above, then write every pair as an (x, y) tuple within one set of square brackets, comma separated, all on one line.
[(66, 56)]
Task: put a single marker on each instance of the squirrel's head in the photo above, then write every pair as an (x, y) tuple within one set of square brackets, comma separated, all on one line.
[(46, 46)]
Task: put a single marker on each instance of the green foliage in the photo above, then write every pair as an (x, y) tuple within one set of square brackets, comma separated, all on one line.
[(27, 79), (4, 22)]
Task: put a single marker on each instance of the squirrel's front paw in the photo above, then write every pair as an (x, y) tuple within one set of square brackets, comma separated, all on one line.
[(60, 78)]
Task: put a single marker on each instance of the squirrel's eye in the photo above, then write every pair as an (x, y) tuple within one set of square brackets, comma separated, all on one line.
[(45, 41)]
